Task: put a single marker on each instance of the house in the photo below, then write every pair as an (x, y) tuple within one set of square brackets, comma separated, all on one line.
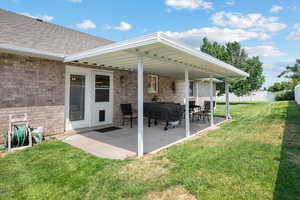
[(65, 79)]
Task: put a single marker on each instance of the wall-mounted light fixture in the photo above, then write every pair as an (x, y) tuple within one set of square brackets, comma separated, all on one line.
[(122, 79)]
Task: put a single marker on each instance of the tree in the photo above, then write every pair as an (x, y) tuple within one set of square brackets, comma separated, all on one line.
[(281, 86), (233, 54), (237, 55), (292, 73)]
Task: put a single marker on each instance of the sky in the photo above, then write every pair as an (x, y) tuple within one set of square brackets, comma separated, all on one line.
[(269, 29)]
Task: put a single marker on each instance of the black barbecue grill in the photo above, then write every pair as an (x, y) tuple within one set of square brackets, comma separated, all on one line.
[(163, 111)]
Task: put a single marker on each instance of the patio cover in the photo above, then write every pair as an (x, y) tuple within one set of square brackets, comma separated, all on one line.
[(161, 55)]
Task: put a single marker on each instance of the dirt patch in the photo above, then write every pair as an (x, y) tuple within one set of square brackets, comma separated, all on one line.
[(2, 154), (271, 133), (146, 168), (175, 192)]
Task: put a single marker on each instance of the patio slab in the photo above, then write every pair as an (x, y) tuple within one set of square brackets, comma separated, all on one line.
[(122, 143)]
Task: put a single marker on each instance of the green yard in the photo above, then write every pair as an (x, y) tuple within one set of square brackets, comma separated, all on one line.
[(255, 156)]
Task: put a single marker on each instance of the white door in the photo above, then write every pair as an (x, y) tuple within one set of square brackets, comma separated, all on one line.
[(77, 98), (101, 98)]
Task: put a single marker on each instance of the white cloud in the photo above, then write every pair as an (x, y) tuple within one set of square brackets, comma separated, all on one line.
[(86, 24), (230, 2), (46, 18), (194, 36), (189, 4), (275, 9), (254, 20), (75, 1), (124, 26), (294, 35), (264, 51)]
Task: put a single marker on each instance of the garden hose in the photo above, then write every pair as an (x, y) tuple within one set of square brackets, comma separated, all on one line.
[(19, 135)]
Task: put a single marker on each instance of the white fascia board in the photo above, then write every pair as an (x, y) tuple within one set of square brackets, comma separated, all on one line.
[(30, 52), (192, 51), (127, 44), (208, 79)]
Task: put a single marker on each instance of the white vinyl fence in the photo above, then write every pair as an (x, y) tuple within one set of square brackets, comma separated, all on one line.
[(255, 96), (297, 94)]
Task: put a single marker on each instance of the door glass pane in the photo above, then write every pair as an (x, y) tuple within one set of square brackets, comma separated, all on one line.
[(101, 82), (77, 97), (102, 95), (102, 85)]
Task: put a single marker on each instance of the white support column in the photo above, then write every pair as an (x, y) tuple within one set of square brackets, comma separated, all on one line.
[(140, 83), (211, 102), (187, 106), (227, 100), (197, 92)]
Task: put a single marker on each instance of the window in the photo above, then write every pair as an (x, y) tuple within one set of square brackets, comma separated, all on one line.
[(191, 91), (102, 87), (152, 84)]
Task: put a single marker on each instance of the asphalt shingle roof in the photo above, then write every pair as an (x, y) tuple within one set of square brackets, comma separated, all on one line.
[(27, 32)]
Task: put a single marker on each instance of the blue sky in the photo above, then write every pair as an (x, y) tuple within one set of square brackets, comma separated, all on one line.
[(267, 28)]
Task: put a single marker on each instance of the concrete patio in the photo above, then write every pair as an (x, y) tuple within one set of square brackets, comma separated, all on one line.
[(122, 143)]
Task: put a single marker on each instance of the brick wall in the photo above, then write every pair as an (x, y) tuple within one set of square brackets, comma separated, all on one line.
[(126, 91), (34, 86)]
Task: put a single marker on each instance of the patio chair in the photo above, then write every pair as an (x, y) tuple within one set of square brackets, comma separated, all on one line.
[(207, 111), (197, 112), (127, 113), (191, 107)]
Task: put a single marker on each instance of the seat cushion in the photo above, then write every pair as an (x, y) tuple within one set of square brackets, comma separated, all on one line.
[(134, 115)]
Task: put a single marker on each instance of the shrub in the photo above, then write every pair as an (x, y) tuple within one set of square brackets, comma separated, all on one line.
[(288, 95)]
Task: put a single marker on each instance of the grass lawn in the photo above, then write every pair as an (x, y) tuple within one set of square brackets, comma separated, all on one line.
[(255, 156)]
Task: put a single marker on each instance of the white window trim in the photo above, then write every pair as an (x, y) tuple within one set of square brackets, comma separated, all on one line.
[(155, 91)]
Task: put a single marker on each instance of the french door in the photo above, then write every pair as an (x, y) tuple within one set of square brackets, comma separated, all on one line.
[(88, 100), (101, 98)]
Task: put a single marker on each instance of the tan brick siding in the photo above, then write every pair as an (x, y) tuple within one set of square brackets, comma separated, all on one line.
[(35, 86), (49, 117)]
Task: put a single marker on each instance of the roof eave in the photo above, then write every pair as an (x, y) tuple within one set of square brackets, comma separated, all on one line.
[(6, 48)]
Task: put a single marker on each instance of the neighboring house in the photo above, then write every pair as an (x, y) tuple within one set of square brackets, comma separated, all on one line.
[(65, 79)]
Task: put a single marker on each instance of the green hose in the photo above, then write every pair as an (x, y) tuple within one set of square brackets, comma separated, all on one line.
[(19, 136), (2, 148)]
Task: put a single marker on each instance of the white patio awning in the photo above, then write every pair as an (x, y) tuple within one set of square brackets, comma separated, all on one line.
[(162, 55)]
